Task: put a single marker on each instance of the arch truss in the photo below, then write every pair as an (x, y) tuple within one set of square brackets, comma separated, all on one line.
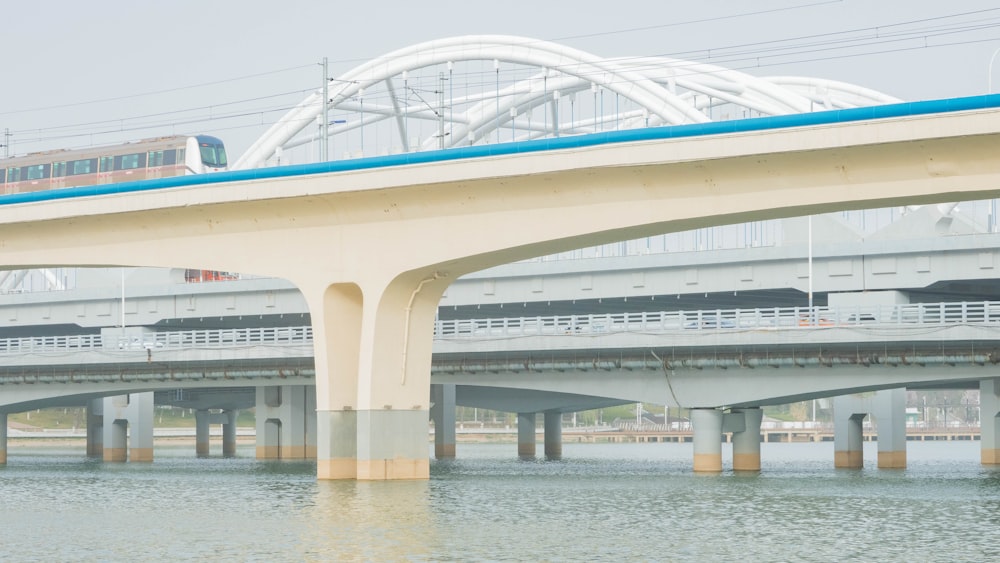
[(479, 89)]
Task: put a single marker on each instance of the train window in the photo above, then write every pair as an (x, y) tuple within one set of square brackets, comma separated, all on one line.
[(13, 174), (213, 154), (58, 169), (169, 157), (180, 155), (3, 175), (107, 163), (87, 166), (155, 158), (130, 161), (36, 172)]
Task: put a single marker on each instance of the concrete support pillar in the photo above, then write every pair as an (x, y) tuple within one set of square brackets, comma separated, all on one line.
[(526, 434), (746, 443), (286, 422), (707, 426), (3, 438), (202, 418), (553, 435), (989, 420), (95, 428), (890, 419), (229, 433), (128, 418), (443, 413), (372, 340), (847, 433)]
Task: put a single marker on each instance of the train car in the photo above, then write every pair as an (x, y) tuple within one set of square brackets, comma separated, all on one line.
[(151, 158)]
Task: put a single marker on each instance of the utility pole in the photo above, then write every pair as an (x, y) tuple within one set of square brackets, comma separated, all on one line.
[(6, 142), (325, 127)]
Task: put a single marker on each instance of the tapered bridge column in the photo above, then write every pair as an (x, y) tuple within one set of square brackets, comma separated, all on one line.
[(372, 347)]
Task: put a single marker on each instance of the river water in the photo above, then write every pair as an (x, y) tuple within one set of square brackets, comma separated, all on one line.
[(602, 502)]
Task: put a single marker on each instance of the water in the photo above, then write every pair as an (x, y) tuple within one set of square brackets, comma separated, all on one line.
[(603, 502)]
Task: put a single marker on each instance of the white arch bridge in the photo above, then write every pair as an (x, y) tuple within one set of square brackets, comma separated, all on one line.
[(480, 89)]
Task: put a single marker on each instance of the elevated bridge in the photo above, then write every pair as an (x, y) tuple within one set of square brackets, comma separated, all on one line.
[(372, 247)]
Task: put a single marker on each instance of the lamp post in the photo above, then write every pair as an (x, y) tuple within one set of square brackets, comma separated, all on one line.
[(989, 84)]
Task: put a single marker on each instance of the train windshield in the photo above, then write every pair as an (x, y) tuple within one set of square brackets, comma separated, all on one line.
[(213, 153)]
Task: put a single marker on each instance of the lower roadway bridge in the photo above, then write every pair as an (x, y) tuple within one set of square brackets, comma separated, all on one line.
[(719, 362)]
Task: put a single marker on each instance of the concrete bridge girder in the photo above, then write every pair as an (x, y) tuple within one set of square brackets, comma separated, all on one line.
[(712, 388)]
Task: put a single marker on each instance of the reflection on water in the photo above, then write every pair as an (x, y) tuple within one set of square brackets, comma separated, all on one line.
[(603, 502)]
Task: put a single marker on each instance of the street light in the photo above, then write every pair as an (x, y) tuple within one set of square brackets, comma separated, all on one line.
[(989, 85)]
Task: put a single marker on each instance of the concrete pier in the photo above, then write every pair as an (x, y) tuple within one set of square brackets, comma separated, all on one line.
[(526, 434), (95, 428), (889, 410), (128, 428), (890, 418), (553, 435), (286, 425), (707, 424), (989, 420), (203, 421), (373, 445), (746, 442), (443, 414), (3, 438)]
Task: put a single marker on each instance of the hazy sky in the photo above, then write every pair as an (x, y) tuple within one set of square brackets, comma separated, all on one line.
[(107, 64)]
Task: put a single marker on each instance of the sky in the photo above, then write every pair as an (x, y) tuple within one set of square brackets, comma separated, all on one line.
[(91, 73)]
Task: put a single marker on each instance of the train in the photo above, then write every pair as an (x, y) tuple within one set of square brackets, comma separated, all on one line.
[(160, 157)]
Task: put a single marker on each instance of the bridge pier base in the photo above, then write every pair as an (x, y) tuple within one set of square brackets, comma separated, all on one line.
[(526, 435), (3, 438), (746, 443), (989, 405), (707, 440), (286, 427), (553, 435), (443, 414), (373, 445), (128, 427)]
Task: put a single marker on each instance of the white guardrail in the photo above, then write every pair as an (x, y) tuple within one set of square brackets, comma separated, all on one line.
[(778, 318), (795, 318)]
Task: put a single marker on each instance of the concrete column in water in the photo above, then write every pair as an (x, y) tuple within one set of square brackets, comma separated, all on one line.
[(847, 432), (989, 421), (229, 432), (553, 434), (3, 438), (95, 428), (202, 418), (128, 418), (285, 417), (526, 434), (890, 419), (443, 413), (746, 442), (707, 425)]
